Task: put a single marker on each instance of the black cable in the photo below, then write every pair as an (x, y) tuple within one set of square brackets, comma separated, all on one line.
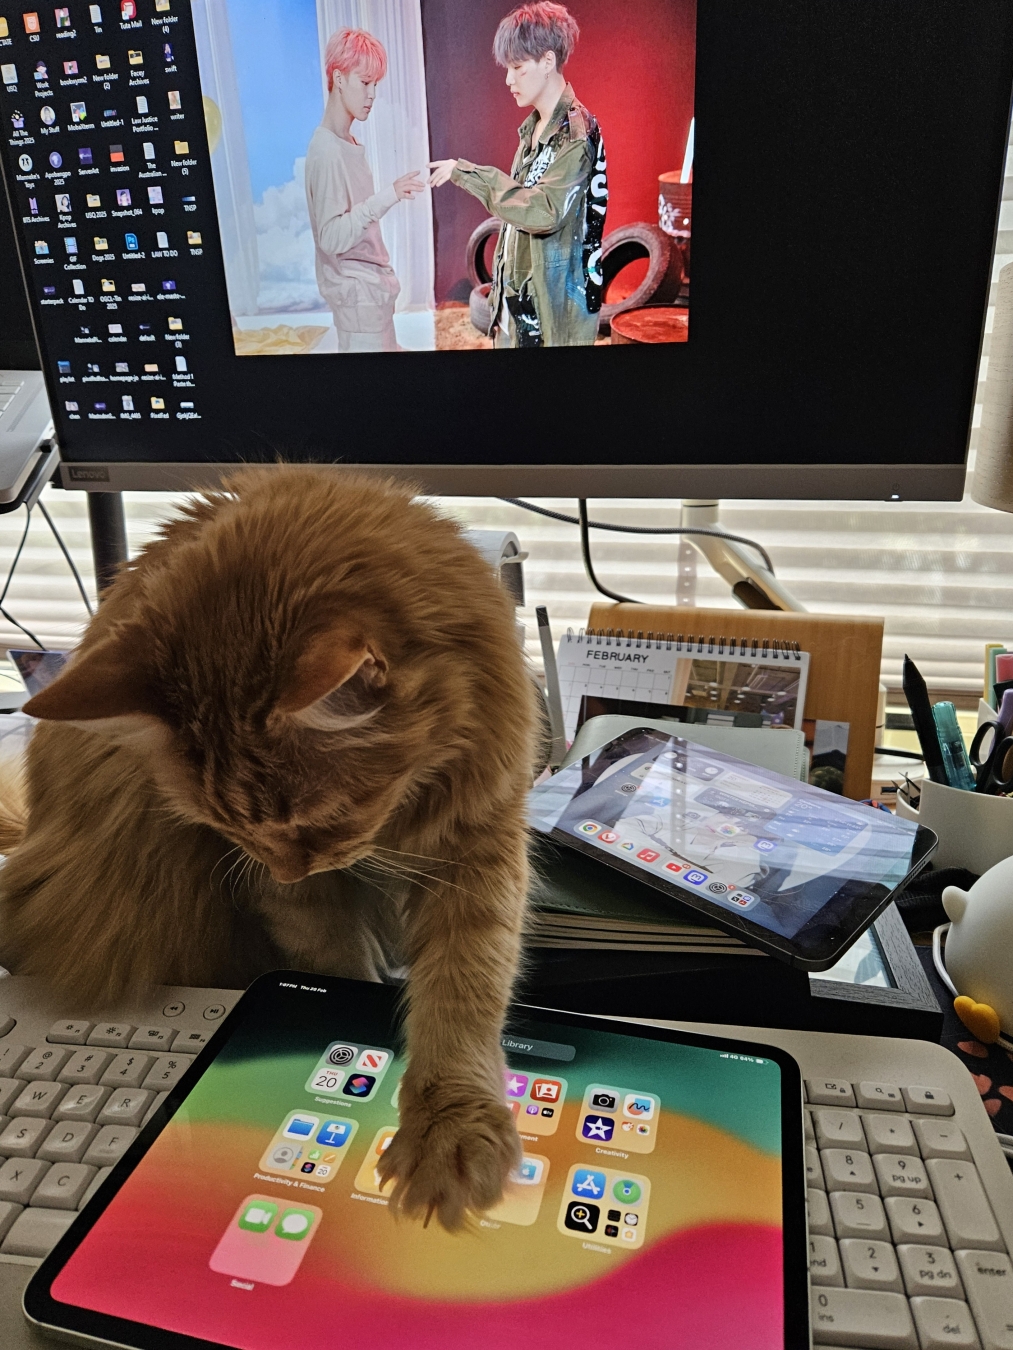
[(585, 549), (66, 553), (27, 631), (644, 529)]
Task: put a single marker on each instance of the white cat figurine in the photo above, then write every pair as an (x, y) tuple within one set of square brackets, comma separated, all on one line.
[(978, 951)]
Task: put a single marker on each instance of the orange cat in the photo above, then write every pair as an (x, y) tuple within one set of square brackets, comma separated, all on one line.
[(298, 732)]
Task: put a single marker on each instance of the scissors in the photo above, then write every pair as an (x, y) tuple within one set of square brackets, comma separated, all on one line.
[(990, 771)]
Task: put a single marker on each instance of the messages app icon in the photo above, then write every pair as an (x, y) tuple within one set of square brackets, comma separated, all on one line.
[(266, 1240)]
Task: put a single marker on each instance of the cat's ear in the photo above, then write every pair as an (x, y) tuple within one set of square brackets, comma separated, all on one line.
[(328, 663), (106, 681)]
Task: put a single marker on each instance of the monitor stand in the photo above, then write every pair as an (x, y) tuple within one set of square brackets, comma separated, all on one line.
[(752, 585), (108, 535)]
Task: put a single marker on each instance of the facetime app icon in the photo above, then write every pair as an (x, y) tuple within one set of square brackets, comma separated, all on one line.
[(266, 1240)]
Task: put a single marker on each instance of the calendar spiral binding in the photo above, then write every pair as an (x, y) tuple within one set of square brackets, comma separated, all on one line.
[(777, 648)]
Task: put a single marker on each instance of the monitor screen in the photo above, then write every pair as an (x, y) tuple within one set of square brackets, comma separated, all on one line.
[(683, 245)]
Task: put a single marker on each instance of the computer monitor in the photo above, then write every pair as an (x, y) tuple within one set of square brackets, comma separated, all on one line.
[(228, 262)]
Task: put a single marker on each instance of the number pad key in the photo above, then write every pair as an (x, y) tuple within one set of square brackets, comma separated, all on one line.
[(824, 1265), (924, 1101), (819, 1213), (866, 1317), (813, 1170), (847, 1170), (870, 1265), (913, 1220), (127, 1071), (44, 1064), (901, 1174), (879, 1096), (858, 1216), (944, 1324), (941, 1139), (829, 1092), (966, 1212), (929, 1270), (988, 1280), (85, 1066), (838, 1129), (81, 1103), (890, 1134)]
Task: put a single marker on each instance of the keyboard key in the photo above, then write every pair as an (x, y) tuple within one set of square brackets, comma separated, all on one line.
[(890, 1134), (941, 1139), (962, 1200), (35, 1232), (22, 1137), (81, 1103), (11, 1057), (813, 1170), (819, 1213), (43, 1064), (188, 1041), (67, 1141), (879, 1096), (858, 1216), (824, 1265), (38, 1099), (93, 1186), (928, 1101), (929, 1270), (115, 1035), (847, 1170), (829, 1092), (10, 1090), (901, 1174), (84, 1066), (63, 1186), (988, 1282), (19, 1178), (8, 1213), (155, 1038), (69, 1033), (166, 1072), (839, 1129), (870, 1265), (913, 1220), (944, 1323), (125, 1107), (127, 1071), (862, 1317), (109, 1145)]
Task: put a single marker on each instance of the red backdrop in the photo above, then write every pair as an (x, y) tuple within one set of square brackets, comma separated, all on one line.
[(633, 68)]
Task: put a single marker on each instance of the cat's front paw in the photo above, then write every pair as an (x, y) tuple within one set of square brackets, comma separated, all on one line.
[(451, 1155)]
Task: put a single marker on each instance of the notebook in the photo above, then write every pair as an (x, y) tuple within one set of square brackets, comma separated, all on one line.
[(764, 677)]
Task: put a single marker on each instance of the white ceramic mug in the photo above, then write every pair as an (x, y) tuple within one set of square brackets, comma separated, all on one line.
[(975, 829)]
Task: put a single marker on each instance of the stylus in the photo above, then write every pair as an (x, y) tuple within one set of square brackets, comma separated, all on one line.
[(552, 696), (921, 712)]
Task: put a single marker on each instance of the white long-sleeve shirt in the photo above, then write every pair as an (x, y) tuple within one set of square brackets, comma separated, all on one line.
[(352, 263)]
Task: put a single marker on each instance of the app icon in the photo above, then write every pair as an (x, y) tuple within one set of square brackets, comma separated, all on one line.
[(41, 248), (116, 155), (359, 1085), (18, 121), (258, 1216), (264, 1246), (765, 845), (530, 1171), (627, 847), (604, 1101), (155, 196), (370, 1060), (63, 367), (608, 837), (548, 1112), (128, 10), (546, 1090), (597, 1127), (62, 18), (135, 58), (161, 239), (742, 900), (581, 1217), (516, 1084), (627, 1192), (588, 1184), (695, 878), (175, 102), (339, 1055), (4, 30), (31, 22), (63, 203), (638, 1105), (611, 1230), (95, 13), (367, 1178), (122, 196), (717, 887), (588, 827), (71, 406), (301, 1126), (531, 1109), (148, 149), (9, 73), (334, 1133), (47, 115), (673, 867), (142, 104), (130, 243), (84, 157), (648, 855)]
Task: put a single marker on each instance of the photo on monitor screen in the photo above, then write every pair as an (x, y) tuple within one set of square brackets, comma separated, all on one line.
[(414, 175)]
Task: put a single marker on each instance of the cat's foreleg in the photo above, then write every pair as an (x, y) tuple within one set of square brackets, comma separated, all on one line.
[(457, 1141)]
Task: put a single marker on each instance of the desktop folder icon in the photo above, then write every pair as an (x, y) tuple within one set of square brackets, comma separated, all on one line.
[(182, 147), (4, 30)]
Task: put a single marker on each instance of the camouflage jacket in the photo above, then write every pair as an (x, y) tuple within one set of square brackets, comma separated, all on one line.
[(552, 204)]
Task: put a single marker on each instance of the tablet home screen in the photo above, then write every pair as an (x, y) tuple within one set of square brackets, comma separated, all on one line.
[(647, 1210)]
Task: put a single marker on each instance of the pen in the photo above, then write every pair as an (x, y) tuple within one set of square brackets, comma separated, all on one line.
[(921, 711), (553, 699), (958, 769)]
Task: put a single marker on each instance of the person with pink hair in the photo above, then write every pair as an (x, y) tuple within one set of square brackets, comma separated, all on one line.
[(352, 263)]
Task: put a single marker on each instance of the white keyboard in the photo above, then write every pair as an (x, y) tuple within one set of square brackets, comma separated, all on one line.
[(910, 1196)]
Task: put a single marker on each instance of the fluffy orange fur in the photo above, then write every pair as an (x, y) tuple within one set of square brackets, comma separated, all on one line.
[(299, 731)]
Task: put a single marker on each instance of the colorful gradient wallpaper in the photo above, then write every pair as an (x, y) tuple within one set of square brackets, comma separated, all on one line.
[(647, 1210)]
